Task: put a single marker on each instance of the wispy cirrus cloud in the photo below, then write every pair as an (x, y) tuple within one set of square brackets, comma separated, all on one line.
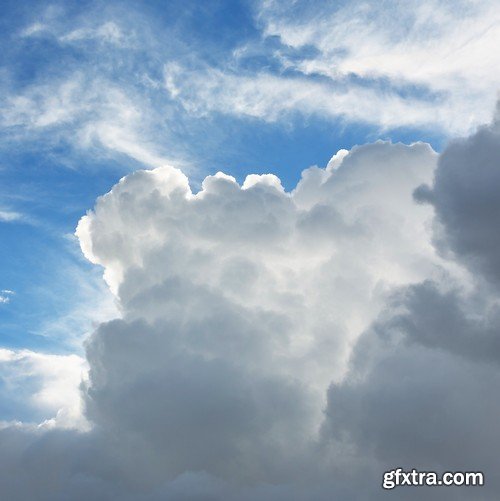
[(441, 53), (273, 98), (418, 64), (88, 102), (344, 63), (90, 112), (107, 32), (8, 216)]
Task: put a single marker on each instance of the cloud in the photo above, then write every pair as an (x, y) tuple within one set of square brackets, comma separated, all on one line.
[(279, 345), (425, 65), (91, 94), (115, 84), (420, 379), (233, 324), (97, 113), (5, 296), (42, 388), (8, 216), (108, 32), (417, 393), (440, 51), (465, 198), (272, 97)]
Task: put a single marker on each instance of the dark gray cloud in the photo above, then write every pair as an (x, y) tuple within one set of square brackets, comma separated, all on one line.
[(466, 198), (409, 405), (453, 321)]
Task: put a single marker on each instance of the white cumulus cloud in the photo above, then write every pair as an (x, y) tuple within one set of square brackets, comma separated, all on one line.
[(283, 345)]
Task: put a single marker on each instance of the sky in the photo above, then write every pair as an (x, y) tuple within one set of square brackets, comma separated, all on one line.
[(248, 249)]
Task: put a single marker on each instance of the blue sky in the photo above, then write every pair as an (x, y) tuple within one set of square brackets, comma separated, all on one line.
[(94, 90)]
